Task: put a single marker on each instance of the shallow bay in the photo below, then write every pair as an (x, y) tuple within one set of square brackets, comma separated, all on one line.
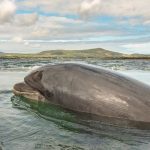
[(24, 129)]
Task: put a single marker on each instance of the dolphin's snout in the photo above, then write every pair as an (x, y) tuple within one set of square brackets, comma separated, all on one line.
[(22, 89), (31, 87)]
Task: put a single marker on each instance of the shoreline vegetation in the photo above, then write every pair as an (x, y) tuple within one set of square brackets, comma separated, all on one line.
[(97, 53)]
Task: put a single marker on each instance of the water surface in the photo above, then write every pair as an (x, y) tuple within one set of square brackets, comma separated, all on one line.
[(22, 128)]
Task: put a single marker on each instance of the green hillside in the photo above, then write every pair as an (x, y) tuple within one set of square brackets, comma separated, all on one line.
[(97, 53)]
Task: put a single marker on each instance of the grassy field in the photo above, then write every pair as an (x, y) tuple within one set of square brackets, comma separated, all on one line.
[(97, 53)]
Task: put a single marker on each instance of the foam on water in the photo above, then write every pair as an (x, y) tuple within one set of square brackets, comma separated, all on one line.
[(34, 68)]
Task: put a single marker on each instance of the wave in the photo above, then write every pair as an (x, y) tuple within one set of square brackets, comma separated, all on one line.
[(33, 68), (27, 65), (14, 69), (5, 91)]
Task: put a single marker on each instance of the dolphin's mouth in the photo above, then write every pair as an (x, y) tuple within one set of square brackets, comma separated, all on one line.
[(22, 89)]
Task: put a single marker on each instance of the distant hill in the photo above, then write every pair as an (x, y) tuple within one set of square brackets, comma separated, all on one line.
[(89, 53), (97, 53)]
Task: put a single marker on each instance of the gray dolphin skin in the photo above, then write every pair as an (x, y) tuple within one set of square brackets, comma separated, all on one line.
[(87, 89)]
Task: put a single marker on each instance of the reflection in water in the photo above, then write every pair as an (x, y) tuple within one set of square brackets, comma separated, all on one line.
[(26, 126), (73, 122)]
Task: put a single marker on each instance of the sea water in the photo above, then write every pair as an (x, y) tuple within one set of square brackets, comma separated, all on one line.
[(23, 128)]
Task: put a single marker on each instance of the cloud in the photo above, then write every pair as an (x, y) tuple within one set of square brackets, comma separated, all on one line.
[(87, 8), (56, 27), (142, 48), (17, 39), (138, 46), (132, 8), (59, 6), (50, 23), (7, 10), (116, 8), (147, 22), (26, 19), (40, 32)]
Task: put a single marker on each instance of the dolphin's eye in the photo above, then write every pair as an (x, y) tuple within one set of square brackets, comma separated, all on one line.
[(48, 94)]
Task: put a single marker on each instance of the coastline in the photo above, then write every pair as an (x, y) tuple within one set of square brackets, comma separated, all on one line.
[(96, 54)]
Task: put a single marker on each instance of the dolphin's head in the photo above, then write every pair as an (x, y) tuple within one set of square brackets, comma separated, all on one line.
[(34, 80), (31, 87)]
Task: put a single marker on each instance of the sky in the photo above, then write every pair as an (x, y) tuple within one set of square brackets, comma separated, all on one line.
[(31, 26)]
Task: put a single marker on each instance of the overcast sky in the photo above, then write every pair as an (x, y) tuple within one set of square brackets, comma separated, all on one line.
[(37, 25)]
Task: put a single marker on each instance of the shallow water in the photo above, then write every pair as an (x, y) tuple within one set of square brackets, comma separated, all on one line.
[(23, 128)]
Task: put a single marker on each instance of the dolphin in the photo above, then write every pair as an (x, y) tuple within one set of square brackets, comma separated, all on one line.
[(89, 90)]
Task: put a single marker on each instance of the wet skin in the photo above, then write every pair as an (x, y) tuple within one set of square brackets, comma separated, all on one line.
[(90, 90)]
